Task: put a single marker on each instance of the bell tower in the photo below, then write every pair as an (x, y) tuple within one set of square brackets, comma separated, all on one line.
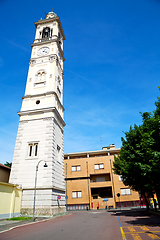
[(40, 132)]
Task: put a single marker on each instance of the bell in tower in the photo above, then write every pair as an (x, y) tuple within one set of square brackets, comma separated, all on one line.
[(46, 32)]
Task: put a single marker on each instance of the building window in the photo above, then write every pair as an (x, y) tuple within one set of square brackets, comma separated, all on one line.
[(76, 168), (76, 194), (120, 178), (100, 179), (58, 153), (95, 197), (40, 77), (99, 166), (32, 149), (59, 92), (36, 149), (43, 76), (59, 81), (125, 191)]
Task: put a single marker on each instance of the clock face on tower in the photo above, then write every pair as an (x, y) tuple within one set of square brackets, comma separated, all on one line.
[(43, 51)]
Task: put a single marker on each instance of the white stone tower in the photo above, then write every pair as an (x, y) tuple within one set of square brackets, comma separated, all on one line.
[(40, 132)]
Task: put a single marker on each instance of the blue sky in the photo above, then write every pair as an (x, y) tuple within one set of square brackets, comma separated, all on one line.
[(111, 72)]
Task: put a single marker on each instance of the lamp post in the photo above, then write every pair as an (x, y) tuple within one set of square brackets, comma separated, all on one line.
[(45, 165)]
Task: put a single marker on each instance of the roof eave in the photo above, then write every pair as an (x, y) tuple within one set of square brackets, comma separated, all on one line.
[(92, 152)]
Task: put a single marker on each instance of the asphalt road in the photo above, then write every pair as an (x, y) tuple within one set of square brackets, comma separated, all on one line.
[(96, 225), (91, 225)]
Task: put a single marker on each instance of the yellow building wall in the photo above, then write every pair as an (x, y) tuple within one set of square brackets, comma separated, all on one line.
[(10, 199)]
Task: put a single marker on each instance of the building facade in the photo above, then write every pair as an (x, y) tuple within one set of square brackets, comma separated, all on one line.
[(40, 132), (90, 181)]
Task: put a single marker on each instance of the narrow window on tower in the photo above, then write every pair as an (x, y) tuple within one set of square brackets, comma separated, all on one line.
[(58, 86), (59, 92), (58, 154), (59, 82), (36, 149), (32, 149), (40, 78), (59, 38), (43, 76)]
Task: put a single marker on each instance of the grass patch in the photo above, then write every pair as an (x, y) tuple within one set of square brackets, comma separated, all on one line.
[(19, 218)]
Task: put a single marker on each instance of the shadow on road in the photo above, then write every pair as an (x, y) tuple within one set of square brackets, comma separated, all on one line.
[(139, 217)]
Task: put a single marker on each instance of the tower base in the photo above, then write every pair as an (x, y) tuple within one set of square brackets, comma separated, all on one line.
[(46, 204), (44, 211)]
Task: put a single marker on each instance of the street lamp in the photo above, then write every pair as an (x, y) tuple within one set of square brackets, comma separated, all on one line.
[(45, 165)]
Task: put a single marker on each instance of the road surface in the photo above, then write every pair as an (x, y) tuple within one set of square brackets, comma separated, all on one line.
[(139, 225), (88, 225), (91, 225)]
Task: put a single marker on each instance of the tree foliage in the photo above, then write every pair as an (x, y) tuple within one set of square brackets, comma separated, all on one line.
[(139, 160), (8, 164)]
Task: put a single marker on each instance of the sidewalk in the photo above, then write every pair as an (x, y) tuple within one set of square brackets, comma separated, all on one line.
[(6, 225)]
